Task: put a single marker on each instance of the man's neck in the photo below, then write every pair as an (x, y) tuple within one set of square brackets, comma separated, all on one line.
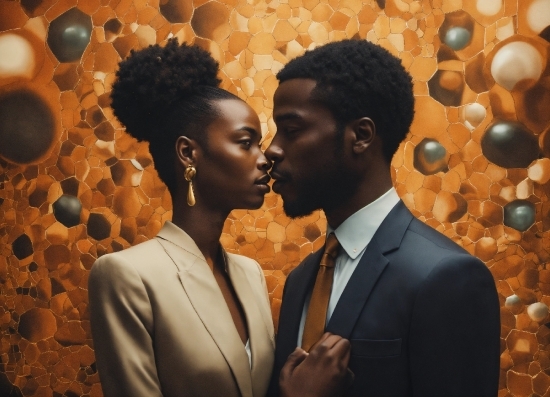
[(367, 192)]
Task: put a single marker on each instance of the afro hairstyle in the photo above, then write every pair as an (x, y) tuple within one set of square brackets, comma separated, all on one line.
[(356, 78), (161, 93)]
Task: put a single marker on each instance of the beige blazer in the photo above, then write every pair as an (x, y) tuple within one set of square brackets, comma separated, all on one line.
[(161, 327)]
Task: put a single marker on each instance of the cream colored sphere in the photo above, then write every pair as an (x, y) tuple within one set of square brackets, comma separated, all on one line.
[(474, 114), (489, 7), (515, 62), (538, 15), (16, 56)]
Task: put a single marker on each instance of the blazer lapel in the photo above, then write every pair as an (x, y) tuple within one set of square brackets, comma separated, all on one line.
[(205, 295), (303, 278), (261, 342), (369, 269), (357, 292)]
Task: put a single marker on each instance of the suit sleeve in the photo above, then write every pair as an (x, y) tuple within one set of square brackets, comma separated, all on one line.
[(455, 331), (122, 324)]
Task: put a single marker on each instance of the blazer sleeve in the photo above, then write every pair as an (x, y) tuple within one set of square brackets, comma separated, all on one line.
[(122, 324), (455, 331)]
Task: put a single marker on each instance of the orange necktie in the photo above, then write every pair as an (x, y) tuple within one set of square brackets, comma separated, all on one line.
[(318, 305)]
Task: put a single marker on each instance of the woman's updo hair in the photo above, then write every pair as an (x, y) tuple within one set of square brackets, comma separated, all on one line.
[(162, 93)]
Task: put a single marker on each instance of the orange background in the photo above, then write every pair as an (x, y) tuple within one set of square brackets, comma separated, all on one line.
[(442, 171)]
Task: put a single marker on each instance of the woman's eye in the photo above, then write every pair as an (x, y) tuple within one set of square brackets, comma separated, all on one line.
[(246, 143)]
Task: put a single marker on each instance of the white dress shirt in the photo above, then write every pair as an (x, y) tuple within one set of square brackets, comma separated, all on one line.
[(354, 234)]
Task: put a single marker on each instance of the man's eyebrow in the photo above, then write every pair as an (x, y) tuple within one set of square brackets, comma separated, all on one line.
[(286, 116)]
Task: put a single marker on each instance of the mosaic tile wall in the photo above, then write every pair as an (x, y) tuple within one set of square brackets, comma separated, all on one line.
[(74, 186)]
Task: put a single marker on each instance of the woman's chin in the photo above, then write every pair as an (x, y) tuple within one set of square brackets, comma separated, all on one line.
[(253, 204)]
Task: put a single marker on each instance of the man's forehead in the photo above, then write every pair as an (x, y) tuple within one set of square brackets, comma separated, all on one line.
[(292, 95), (299, 87)]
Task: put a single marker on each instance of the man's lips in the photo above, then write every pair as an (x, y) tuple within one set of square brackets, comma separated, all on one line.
[(279, 181), (277, 176)]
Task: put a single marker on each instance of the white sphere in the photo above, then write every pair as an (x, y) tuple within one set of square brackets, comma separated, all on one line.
[(489, 7), (537, 311), (16, 56), (474, 114), (538, 15), (512, 300), (514, 62)]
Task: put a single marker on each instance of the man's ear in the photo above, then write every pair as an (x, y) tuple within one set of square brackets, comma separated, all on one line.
[(186, 151), (365, 132)]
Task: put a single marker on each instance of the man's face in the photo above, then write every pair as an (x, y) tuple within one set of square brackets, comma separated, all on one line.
[(307, 151)]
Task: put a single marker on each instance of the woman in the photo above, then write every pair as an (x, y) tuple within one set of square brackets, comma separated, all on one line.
[(177, 315)]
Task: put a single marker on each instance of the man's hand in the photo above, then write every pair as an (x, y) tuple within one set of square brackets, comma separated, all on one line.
[(323, 372)]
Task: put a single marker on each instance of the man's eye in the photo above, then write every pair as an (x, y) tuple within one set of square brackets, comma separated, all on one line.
[(246, 143), (290, 130)]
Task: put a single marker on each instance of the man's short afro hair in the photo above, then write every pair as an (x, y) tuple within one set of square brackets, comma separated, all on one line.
[(356, 78)]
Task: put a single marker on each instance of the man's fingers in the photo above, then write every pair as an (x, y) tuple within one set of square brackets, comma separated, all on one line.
[(350, 377), (320, 341), (342, 348), (295, 358), (329, 341)]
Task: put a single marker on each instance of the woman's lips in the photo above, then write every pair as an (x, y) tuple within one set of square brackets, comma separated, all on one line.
[(262, 183)]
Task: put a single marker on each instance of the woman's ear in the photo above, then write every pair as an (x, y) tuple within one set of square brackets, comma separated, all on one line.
[(186, 151), (364, 132)]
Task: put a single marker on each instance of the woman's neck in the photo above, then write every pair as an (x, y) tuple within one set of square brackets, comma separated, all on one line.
[(203, 225)]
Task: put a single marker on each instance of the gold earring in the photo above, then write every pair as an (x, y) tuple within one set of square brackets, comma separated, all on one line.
[(190, 173)]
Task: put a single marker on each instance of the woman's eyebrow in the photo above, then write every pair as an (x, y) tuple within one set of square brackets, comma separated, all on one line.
[(251, 130)]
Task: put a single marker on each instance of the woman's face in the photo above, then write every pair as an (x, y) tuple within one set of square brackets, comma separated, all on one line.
[(232, 171)]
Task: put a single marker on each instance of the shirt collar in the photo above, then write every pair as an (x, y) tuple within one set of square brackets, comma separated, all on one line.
[(356, 232)]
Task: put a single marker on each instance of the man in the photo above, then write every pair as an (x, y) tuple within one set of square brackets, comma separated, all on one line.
[(422, 315)]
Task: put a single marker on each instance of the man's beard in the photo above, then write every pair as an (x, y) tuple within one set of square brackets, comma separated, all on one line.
[(323, 193), (325, 190)]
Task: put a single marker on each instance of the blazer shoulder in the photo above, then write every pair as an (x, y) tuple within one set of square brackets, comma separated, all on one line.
[(144, 254), (424, 251), (433, 238), (248, 264)]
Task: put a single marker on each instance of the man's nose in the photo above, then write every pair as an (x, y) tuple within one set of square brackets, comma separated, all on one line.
[(274, 152)]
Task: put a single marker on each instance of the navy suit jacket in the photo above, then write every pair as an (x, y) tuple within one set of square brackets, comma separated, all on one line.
[(421, 313)]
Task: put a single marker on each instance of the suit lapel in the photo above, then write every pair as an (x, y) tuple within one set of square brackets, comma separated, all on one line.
[(369, 269), (206, 297), (357, 292), (261, 342), (293, 303)]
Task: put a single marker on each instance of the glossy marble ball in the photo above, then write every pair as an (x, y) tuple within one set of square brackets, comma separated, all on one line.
[(69, 35), (537, 311), (430, 157), (512, 300), (519, 214), (489, 7), (67, 210), (509, 144), (27, 126), (517, 62), (457, 37), (474, 114)]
